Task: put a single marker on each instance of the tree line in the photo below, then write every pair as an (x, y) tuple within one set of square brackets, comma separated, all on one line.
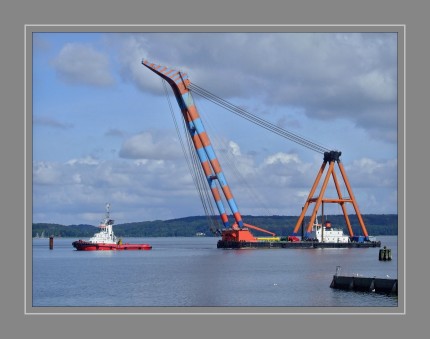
[(376, 224)]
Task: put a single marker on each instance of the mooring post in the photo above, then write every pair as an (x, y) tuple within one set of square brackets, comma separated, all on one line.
[(385, 254), (51, 242)]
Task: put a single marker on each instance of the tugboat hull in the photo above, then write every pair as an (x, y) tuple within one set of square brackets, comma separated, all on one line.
[(81, 245), (105, 240)]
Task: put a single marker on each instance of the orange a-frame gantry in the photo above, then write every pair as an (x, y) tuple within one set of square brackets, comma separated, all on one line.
[(331, 157)]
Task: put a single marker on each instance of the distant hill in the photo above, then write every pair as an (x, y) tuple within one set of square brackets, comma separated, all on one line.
[(58, 230), (376, 224)]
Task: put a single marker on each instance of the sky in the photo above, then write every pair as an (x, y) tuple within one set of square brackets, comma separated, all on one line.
[(103, 130)]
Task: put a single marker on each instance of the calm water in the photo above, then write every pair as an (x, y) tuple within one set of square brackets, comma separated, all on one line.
[(193, 272)]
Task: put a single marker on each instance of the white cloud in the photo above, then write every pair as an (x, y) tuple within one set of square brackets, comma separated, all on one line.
[(132, 49), (150, 145), (83, 161), (45, 173), (325, 76), (79, 63), (371, 173), (161, 189), (235, 149), (77, 178), (378, 86), (281, 158), (82, 190)]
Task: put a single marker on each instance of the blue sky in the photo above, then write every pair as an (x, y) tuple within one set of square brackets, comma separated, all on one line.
[(103, 131)]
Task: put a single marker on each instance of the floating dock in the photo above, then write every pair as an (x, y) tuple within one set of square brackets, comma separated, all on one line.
[(365, 284), (295, 244)]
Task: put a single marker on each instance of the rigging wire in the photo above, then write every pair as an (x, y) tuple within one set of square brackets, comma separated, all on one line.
[(231, 164), (201, 183), (194, 168), (257, 120)]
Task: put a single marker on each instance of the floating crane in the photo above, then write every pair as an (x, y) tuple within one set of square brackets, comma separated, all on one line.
[(238, 234)]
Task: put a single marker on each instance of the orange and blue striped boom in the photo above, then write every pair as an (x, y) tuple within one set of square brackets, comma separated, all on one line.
[(210, 164)]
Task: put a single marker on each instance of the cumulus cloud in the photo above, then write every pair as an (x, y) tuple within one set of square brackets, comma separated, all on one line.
[(82, 187), (149, 189), (132, 49), (83, 161), (281, 158), (79, 63), (371, 173), (150, 145), (234, 148), (45, 173), (325, 76), (378, 86)]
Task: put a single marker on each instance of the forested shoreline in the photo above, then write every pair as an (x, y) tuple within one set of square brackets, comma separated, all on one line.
[(376, 224)]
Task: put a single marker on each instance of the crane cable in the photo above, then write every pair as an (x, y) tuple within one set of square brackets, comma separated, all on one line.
[(257, 120), (194, 168), (201, 184), (231, 164)]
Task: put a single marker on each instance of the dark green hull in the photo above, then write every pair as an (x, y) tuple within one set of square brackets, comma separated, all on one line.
[(299, 244)]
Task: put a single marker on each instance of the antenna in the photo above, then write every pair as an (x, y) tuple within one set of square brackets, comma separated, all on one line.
[(107, 210)]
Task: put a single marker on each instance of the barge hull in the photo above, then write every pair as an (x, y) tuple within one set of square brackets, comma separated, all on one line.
[(299, 244)]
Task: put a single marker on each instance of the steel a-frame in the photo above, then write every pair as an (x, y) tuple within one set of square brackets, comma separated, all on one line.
[(331, 158)]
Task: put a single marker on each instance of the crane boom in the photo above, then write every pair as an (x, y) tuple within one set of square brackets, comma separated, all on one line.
[(211, 167)]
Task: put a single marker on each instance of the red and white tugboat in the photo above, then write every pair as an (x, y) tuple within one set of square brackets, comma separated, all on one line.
[(105, 240)]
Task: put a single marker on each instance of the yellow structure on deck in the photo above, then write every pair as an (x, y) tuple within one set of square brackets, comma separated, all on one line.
[(270, 239)]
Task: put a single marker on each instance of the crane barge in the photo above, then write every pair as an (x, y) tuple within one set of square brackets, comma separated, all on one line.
[(238, 234)]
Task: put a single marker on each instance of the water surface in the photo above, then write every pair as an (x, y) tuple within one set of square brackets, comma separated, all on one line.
[(193, 272)]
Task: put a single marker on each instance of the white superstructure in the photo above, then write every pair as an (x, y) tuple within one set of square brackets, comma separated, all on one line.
[(327, 233), (105, 236)]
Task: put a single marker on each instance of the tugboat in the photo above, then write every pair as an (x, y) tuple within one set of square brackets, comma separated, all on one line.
[(105, 240)]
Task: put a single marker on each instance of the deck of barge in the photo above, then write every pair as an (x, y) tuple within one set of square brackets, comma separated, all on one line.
[(298, 244)]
